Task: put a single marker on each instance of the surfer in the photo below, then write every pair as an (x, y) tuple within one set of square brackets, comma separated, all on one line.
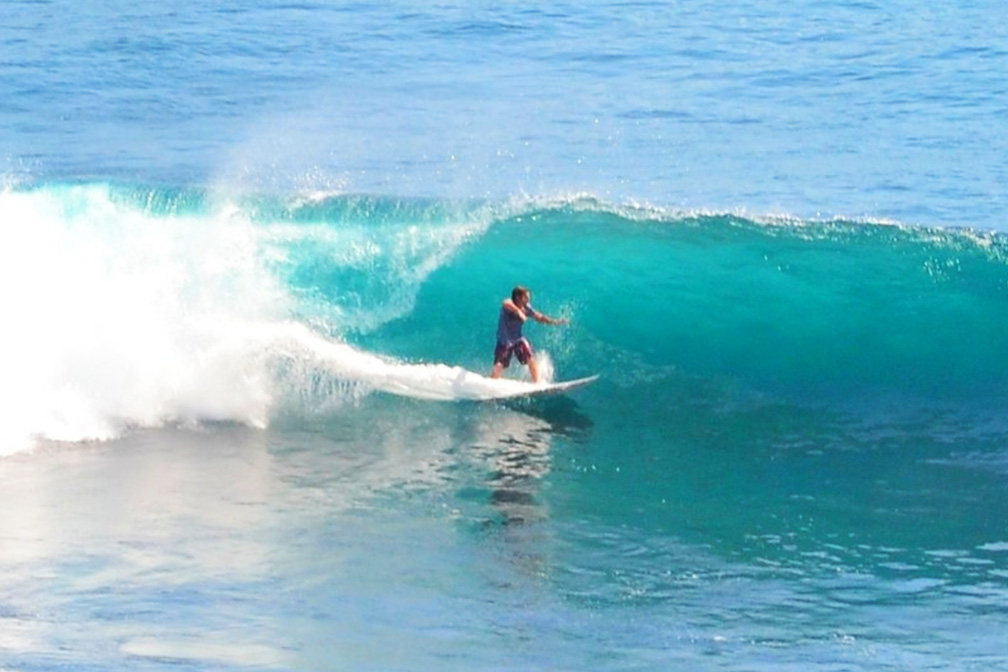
[(514, 312)]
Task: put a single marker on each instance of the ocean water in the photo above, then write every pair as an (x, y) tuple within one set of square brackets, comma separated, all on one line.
[(252, 256)]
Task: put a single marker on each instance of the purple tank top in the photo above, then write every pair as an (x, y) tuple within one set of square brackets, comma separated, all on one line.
[(509, 326)]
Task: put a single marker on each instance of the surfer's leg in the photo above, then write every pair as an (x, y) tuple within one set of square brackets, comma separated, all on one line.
[(502, 357), (523, 351)]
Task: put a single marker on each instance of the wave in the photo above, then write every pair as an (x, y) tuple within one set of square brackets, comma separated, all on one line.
[(836, 307), (130, 305)]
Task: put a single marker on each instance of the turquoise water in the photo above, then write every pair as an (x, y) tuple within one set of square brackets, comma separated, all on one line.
[(246, 246)]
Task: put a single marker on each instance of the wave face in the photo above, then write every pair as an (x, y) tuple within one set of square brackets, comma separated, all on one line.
[(128, 305), (837, 309)]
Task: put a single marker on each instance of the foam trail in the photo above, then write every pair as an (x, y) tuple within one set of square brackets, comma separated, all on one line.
[(312, 354)]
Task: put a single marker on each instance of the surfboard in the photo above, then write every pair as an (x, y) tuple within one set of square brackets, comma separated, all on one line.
[(540, 389)]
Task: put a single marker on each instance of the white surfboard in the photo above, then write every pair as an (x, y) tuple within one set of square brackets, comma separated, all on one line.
[(543, 389)]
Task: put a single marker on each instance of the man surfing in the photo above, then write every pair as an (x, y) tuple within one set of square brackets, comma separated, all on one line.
[(514, 312)]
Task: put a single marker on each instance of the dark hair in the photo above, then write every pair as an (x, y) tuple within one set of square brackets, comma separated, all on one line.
[(519, 291)]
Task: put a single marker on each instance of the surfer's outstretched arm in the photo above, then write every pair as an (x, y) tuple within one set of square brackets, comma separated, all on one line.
[(546, 319)]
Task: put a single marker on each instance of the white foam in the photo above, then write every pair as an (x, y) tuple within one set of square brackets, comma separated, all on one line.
[(117, 318), (314, 355)]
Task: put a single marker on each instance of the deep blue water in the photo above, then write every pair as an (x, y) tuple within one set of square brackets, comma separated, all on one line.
[(888, 110), (252, 257)]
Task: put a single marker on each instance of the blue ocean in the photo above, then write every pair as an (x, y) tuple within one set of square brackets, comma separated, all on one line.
[(252, 257)]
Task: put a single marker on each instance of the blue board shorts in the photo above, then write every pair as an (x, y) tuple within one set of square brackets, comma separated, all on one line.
[(521, 349)]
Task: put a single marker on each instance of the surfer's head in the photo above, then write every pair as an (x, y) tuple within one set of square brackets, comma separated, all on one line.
[(520, 295)]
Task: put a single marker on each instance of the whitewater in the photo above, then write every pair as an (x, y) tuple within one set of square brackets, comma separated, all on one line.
[(160, 317)]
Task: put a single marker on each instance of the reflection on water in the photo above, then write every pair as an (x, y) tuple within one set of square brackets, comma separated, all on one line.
[(511, 446), (151, 489), (156, 537)]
